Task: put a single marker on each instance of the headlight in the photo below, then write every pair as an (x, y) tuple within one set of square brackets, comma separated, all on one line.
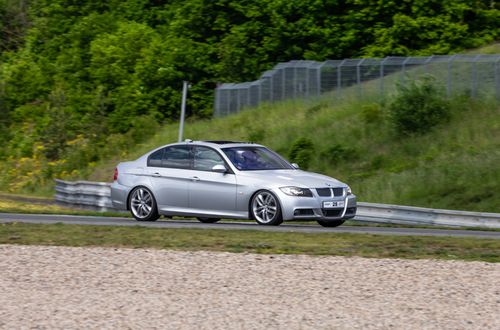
[(349, 191), (297, 191)]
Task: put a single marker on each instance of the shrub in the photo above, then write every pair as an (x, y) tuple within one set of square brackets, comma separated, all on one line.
[(301, 152), (315, 108), (256, 135), (371, 113), (418, 106), (338, 152)]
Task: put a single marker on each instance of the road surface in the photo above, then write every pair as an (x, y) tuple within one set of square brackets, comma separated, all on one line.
[(231, 225)]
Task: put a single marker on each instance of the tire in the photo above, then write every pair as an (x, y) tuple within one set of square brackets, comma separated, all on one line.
[(331, 223), (142, 205), (208, 220), (265, 208)]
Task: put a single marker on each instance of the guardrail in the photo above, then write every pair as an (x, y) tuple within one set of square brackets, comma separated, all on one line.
[(397, 214), (97, 195), (86, 194)]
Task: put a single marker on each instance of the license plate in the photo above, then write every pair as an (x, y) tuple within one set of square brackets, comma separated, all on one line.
[(328, 205)]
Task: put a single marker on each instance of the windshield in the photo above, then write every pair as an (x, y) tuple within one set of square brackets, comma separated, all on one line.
[(255, 159)]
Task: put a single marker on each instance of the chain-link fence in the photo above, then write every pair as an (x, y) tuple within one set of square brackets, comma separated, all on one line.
[(475, 75)]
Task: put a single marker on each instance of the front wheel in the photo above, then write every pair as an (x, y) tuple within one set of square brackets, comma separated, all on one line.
[(142, 204), (208, 220), (332, 223), (265, 208)]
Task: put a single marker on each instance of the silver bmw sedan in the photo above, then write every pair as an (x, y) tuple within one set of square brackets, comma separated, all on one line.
[(211, 180)]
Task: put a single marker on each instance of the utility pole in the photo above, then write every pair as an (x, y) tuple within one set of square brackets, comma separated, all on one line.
[(185, 87)]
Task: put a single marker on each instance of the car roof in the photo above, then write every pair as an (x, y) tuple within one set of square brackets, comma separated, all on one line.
[(218, 144)]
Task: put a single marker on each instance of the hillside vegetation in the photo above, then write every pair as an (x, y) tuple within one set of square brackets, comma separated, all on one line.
[(452, 165), (83, 85)]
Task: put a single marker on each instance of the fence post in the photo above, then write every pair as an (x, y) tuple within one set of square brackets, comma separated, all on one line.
[(448, 86), (358, 75), (318, 77), (238, 100), (382, 77), (474, 76), (403, 69), (259, 86), (426, 63), (216, 101), (308, 85), (294, 82), (339, 77), (283, 87), (497, 79)]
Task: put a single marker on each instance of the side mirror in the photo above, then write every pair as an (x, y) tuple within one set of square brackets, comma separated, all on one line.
[(219, 169), (296, 166)]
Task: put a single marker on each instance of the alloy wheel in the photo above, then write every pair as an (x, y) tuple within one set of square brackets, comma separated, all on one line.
[(142, 204), (265, 209)]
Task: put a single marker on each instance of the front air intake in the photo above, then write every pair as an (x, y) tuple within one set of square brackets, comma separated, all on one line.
[(338, 192)]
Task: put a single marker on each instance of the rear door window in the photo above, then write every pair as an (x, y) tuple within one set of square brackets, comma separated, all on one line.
[(156, 158), (177, 157)]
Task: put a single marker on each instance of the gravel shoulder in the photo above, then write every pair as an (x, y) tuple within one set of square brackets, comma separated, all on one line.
[(47, 287)]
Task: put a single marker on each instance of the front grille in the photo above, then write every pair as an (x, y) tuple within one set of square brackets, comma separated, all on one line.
[(332, 213), (327, 192), (324, 192), (338, 192)]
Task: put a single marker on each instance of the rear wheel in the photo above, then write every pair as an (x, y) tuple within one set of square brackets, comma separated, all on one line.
[(331, 223), (142, 204), (208, 220), (266, 209)]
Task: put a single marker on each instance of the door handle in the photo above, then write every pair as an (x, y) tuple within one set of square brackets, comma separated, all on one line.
[(195, 178), (156, 175)]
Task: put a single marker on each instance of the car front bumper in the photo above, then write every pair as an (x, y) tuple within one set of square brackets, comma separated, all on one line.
[(311, 208)]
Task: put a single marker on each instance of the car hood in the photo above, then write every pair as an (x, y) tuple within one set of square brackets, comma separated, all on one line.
[(294, 178)]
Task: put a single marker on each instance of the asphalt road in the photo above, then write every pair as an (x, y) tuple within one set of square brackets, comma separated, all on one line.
[(228, 225)]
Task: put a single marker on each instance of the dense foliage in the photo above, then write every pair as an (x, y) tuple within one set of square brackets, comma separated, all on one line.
[(80, 79)]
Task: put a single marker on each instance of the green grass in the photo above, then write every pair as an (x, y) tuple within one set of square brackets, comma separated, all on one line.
[(14, 206), (373, 246)]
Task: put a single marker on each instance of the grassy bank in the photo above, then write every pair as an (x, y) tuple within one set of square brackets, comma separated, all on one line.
[(455, 166), (362, 245)]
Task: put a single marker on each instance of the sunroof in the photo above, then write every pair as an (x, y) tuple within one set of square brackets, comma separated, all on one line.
[(224, 142)]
